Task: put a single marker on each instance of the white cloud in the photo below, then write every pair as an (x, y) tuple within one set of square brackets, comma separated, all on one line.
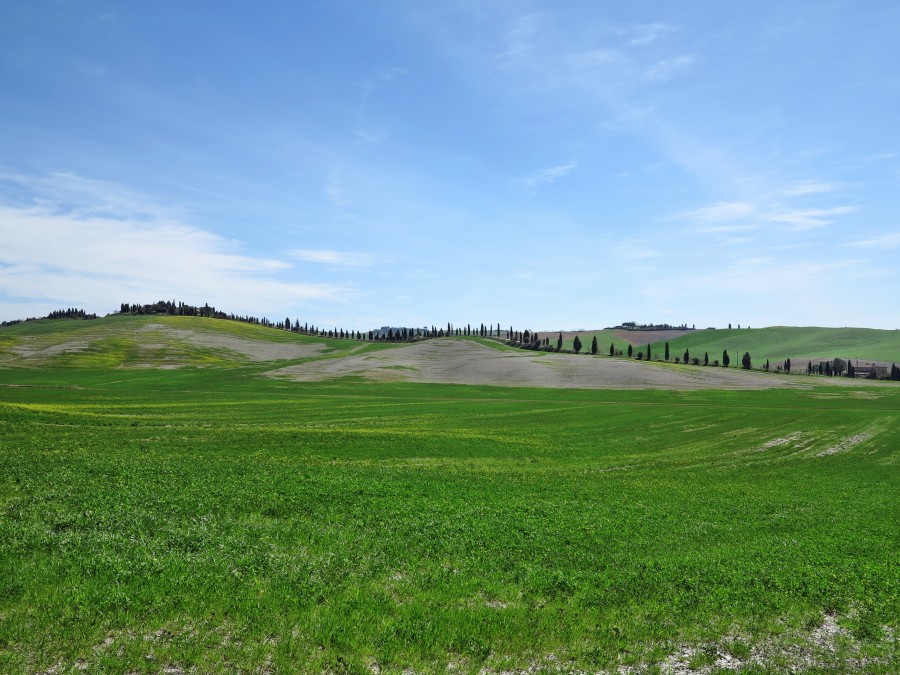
[(328, 257), (67, 254), (549, 175)]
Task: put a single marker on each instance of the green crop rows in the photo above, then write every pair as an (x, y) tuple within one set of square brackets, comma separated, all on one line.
[(212, 519)]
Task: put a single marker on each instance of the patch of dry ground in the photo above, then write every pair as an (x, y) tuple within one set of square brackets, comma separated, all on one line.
[(465, 362), (29, 349), (254, 350)]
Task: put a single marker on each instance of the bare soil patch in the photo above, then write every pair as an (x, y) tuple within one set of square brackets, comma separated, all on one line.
[(464, 362), (254, 350), (847, 443), (28, 350)]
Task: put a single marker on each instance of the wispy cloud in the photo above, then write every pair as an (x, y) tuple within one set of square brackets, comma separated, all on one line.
[(365, 130), (549, 175), (721, 211), (328, 257), (884, 241), (668, 68), (646, 33), (808, 219), (635, 250), (767, 274), (809, 188), (519, 40), (83, 197)]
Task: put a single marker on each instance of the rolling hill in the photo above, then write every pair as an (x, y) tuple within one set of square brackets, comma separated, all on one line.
[(159, 342), (775, 343)]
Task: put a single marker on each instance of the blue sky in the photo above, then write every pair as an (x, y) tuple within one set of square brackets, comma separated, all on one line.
[(546, 165)]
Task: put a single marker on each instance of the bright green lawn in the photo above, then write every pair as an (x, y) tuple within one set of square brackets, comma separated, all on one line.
[(208, 518)]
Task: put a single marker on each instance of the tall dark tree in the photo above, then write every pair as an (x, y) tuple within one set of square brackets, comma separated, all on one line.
[(687, 355), (667, 350), (648, 352), (725, 358), (630, 351), (745, 361), (705, 358), (576, 343), (594, 346), (559, 343), (612, 349)]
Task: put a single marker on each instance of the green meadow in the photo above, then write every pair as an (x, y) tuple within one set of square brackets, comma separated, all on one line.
[(213, 519)]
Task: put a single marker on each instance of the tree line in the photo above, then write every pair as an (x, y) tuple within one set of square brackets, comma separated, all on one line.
[(520, 338), (69, 313)]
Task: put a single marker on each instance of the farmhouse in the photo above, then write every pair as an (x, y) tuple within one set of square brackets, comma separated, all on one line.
[(872, 370)]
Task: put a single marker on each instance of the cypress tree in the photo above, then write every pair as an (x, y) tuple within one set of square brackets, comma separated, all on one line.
[(594, 345), (612, 349), (648, 352), (667, 350)]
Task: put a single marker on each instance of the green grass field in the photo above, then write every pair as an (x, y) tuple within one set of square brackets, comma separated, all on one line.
[(212, 519)]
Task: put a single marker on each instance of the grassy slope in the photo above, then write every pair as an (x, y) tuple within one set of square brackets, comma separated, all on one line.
[(781, 342), (133, 341), (775, 343)]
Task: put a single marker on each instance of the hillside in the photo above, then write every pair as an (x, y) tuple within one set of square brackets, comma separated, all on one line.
[(160, 342), (156, 341), (799, 344), (775, 343)]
